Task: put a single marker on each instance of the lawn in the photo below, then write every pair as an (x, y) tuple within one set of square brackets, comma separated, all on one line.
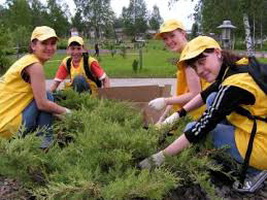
[(157, 62)]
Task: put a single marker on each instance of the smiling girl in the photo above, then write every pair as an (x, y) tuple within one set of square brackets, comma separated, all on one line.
[(226, 125), (188, 83), (23, 97)]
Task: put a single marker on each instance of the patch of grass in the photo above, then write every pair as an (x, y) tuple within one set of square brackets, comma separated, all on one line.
[(156, 62)]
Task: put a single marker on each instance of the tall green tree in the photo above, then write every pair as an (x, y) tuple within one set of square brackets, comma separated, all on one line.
[(97, 13), (135, 17), (39, 13), (78, 22), (155, 20), (247, 15), (18, 17), (57, 17), (18, 14)]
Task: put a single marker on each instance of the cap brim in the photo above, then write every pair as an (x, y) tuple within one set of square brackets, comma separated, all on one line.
[(45, 37), (159, 35), (192, 55)]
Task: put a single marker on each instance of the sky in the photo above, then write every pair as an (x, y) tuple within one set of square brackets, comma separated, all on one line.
[(181, 10)]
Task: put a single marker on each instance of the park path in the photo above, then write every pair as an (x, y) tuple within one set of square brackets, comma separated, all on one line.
[(117, 82)]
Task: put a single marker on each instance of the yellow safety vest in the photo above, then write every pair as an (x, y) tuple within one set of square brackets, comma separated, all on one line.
[(15, 95), (243, 125), (79, 71), (182, 88)]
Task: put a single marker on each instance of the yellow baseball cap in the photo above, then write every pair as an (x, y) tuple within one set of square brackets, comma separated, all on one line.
[(168, 26), (196, 46), (77, 39), (43, 33)]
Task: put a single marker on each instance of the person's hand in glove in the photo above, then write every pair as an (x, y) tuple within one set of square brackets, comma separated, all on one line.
[(61, 116), (171, 119), (153, 161), (158, 103)]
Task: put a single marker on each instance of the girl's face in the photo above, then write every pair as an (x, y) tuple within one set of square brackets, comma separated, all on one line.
[(175, 40), (76, 52), (209, 66), (44, 50)]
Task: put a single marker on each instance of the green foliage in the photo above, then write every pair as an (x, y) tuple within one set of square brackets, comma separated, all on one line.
[(4, 43), (123, 50), (99, 162), (142, 185), (135, 65), (155, 19), (117, 66), (62, 43), (134, 18)]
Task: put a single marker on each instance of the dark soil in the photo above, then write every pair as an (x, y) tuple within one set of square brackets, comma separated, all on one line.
[(11, 189)]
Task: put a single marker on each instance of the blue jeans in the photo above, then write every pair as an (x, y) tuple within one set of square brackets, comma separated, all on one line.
[(33, 118), (223, 135), (80, 84)]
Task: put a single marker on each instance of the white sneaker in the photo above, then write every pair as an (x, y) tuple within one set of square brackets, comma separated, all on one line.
[(251, 183)]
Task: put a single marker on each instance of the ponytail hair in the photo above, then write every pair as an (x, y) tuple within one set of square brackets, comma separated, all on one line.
[(229, 58), (30, 50)]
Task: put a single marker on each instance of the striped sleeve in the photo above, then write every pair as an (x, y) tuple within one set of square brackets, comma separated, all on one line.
[(225, 102)]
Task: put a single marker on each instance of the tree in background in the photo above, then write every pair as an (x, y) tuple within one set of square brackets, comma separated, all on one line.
[(78, 22), (195, 30), (247, 15), (135, 17), (155, 20), (97, 13), (57, 15), (39, 13), (21, 16), (18, 14), (5, 41), (17, 18)]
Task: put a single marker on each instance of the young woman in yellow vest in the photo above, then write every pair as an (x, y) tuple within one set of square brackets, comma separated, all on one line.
[(188, 84), (226, 126), (23, 98), (76, 69)]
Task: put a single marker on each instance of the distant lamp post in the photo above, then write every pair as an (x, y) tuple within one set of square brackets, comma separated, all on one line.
[(227, 39)]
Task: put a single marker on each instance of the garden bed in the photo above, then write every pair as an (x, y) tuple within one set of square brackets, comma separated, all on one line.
[(95, 156)]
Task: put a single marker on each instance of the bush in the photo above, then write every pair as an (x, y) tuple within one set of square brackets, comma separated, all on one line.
[(99, 162), (62, 43), (135, 66), (4, 48)]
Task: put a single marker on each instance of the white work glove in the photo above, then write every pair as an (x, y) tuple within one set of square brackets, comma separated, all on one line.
[(68, 111), (61, 116), (157, 103), (153, 161), (171, 119)]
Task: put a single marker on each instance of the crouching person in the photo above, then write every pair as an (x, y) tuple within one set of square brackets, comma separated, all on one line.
[(84, 71), (23, 97), (228, 126)]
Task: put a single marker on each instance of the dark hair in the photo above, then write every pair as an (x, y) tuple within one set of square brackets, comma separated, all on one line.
[(229, 58), (30, 50), (74, 44)]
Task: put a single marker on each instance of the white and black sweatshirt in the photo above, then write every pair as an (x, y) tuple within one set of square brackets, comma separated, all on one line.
[(228, 98)]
